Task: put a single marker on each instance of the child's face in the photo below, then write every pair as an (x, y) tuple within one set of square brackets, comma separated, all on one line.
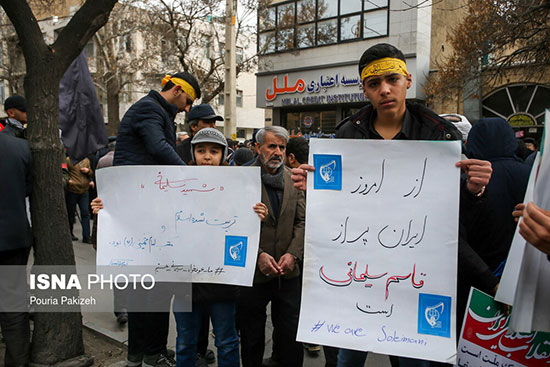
[(208, 154)]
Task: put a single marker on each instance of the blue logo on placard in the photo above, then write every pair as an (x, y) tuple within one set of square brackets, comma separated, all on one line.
[(235, 251), (434, 315), (328, 172)]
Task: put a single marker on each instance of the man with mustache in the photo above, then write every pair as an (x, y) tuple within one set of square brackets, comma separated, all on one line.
[(277, 278)]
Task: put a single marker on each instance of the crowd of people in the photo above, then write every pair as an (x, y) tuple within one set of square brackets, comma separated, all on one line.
[(495, 170)]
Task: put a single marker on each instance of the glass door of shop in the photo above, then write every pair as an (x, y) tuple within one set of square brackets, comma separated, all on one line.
[(310, 123)]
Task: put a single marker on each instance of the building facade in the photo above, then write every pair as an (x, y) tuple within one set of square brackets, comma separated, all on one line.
[(126, 60), (308, 72), (309, 50), (515, 95)]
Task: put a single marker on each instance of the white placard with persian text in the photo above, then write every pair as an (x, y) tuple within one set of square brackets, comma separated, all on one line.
[(181, 220), (381, 247)]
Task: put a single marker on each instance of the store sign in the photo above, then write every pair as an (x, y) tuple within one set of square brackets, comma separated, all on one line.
[(316, 87), (521, 119), (308, 121)]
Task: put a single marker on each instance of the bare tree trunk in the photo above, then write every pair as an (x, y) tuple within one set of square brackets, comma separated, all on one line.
[(57, 336), (113, 106)]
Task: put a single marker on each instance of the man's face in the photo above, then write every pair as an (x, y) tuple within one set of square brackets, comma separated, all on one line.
[(272, 152), (182, 100), (18, 115), (202, 124), (387, 92)]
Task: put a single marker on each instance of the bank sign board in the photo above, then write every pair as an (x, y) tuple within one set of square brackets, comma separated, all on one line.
[(312, 87)]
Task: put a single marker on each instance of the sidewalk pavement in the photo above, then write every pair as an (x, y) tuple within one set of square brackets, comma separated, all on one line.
[(105, 322)]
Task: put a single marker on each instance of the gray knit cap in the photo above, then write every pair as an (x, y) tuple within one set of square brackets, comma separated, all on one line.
[(209, 135)]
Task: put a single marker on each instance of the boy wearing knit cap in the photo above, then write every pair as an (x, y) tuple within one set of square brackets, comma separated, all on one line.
[(209, 148)]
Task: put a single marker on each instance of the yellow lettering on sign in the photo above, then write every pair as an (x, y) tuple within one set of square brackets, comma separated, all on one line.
[(521, 120)]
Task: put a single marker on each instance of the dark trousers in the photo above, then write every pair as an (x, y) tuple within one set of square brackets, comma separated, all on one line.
[(202, 345), (147, 333), (82, 200), (15, 325), (284, 295), (331, 356)]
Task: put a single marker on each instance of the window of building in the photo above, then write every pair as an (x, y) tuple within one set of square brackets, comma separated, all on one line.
[(306, 122), (305, 36), (267, 42), (301, 24), (350, 27), (327, 9), (305, 11), (221, 98), (239, 98), (239, 53), (327, 32), (241, 134), (266, 18), (374, 4), (375, 24), (206, 40), (519, 104), (350, 6)]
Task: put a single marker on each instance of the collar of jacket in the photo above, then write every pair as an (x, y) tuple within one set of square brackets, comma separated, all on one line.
[(169, 107), (419, 113), (15, 123)]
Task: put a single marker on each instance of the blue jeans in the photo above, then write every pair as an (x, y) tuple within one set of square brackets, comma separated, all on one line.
[(188, 325), (355, 358)]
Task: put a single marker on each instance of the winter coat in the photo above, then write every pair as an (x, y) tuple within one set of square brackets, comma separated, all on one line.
[(80, 182), (10, 128), (15, 170), (284, 234), (147, 134), (423, 124), (493, 139), (420, 124), (184, 150)]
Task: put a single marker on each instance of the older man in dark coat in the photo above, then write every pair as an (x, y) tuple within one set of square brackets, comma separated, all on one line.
[(277, 278)]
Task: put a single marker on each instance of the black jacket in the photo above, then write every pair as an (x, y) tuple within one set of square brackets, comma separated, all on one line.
[(15, 170), (184, 150), (493, 139), (423, 124), (12, 130), (147, 134)]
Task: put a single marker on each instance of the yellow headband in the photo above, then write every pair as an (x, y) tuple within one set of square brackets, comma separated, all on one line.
[(384, 66), (186, 87)]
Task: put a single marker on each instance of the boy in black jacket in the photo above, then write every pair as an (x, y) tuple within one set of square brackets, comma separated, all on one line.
[(385, 81)]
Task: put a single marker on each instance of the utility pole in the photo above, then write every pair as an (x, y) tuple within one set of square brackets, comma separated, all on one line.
[(230, 92)]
